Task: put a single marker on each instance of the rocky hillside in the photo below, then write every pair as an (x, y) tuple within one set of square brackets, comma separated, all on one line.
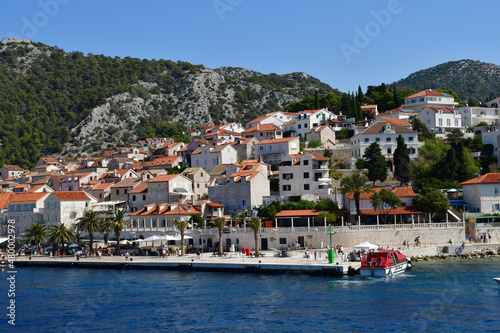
[(468, 78), (84, 104)]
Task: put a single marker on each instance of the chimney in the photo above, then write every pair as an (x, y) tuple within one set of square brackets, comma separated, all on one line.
[(257, 127)]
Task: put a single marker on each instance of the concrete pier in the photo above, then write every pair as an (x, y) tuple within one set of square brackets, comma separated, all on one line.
[(268, 264)]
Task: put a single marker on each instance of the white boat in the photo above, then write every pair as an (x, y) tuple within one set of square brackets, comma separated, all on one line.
[(497, 279), (384, 262)]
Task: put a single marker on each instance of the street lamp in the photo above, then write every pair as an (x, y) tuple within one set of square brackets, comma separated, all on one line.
[(317, 241)]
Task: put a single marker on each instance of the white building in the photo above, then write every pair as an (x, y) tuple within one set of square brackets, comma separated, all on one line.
[(442, 119), (386, 135), (471, 116), (429, 97), (305, 174), (483, 193), (311, 118), (277, 118), (272, 151), (208, 157)]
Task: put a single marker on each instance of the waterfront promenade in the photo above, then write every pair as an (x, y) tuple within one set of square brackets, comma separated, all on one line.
[(294, 263)]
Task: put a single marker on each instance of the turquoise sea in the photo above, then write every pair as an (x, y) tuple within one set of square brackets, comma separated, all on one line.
[(435, 296)]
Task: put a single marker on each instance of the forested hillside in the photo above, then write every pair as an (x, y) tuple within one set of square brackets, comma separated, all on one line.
[(54, 102)]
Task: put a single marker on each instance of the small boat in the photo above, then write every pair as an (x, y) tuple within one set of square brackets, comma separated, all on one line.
[(384, 262), (497, 279)]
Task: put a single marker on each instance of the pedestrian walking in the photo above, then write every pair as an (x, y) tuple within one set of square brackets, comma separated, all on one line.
[(126, 256), (315, 254)]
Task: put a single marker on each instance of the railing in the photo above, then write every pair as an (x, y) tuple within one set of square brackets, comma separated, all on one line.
[(439, 225)]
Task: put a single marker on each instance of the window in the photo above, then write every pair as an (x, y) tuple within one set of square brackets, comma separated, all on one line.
[(287, 187), (389, 151), (232, 191), (261, 148), (288, 176), (497, 191), (144, 197), (410, 138), (448, 122), (221, 191), (198, 185), (367, 139), (456, 123), (154, 223), (306, 174), (133, 198), (261, 134), (243, 203), (306, 187), (440, 122), (377, 140), (299, 126), (496, 207), (306, 162), (117, 192), (388, 139), (411, 150)]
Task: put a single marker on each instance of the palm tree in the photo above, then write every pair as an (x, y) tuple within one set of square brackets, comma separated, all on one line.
[(356, 184), (61, 235), (116, 225), (219, 223), (91, 223), (181, 225), (37, 233), (255, 225)]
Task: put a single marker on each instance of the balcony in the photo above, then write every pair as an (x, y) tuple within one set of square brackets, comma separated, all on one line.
[(38, 211), (317, 166)]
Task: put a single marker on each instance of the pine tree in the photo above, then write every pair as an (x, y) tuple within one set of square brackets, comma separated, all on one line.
[(375, 163), (360, 96), (402, 161), (316, 100), (395, 92)]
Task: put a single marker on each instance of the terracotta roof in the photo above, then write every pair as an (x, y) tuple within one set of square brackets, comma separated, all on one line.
[(442, 109), (28, 197), (4, 197), (428, 92), (317, 129), (318, 157), (214, 204), (376, 128), (394, 211), (127, 182), (13, 167), (72, 196), (297, 213), (218, 170), (396, 121), (102, 186), (50, 160), (141, 188), (289, 123), (399, 191), (163, 178), (259, 119), (263, 142), (181, 209), (489, 178), (263, 127), (371, 106)]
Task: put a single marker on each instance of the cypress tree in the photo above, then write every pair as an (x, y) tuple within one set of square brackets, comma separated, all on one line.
[(316, 100), (402, 161), (375, 163)]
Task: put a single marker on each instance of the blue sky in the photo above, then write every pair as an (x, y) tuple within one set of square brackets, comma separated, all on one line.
[(342, 43)]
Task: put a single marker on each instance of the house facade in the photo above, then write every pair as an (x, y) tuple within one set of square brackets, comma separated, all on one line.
[(169, 188), (200, 179), (323, 133), (311, 118), (7, 171), (442, 119), (471, 116), (263, 132), (427, 98), (305, 174), (208, 157), (272, 151), (67, 207), (483, 193), (386, 135)]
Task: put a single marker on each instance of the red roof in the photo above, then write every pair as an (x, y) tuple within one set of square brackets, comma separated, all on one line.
[(72, 196), (428, 92), (142, 187), (4, 197), (489, 178), (263, 142), (297, 213), (263, 127), (396, 121), (442, 109), (399, 191), (28, 197), (394, 211), (163, 178)]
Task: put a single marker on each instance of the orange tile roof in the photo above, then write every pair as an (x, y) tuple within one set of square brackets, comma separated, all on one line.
[(214, 204), (142, 187), (399, 191), (294, 213), (442, 109), (394, 211), (263, 127), (428, 92), (102, 186), (4, 197), (13, 167), (163, 178), (72, 196), (396, 121), (263, 142), (28, 197), (489, 178), (33, 189)]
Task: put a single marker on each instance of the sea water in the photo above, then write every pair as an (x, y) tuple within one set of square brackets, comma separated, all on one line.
[(435, 296)]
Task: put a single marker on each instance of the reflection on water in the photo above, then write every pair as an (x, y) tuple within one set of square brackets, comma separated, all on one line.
[(429, 296)]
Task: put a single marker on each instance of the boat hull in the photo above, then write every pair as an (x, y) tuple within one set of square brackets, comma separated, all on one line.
[(384, 271), (497, 279)]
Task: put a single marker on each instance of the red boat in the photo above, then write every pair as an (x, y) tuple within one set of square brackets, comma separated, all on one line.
[(384, 262)]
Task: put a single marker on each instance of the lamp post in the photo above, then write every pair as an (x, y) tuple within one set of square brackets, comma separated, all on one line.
[(331, 252), (317, 241)]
